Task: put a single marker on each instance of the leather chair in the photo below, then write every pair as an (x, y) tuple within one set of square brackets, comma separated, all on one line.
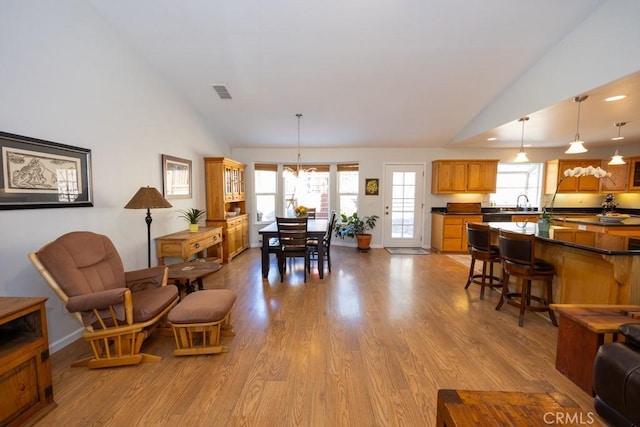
[(616, 379), (481, 249), (517, 251), (118, 309), (292, 235)]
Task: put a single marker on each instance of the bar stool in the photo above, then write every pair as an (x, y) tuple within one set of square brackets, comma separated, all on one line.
[(517, 251), (480, 248)]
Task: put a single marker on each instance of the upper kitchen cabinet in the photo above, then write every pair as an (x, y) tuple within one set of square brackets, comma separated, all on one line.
[(463, 176), (583, 184), (481, 176), (634, 174), (619, 177)]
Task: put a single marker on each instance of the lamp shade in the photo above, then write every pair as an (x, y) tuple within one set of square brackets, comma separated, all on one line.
[(576, 147), (147, 198), (521, 157), (616, 159)]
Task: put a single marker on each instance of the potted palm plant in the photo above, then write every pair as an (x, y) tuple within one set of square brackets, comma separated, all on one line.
[(355, 226), (194, 216)]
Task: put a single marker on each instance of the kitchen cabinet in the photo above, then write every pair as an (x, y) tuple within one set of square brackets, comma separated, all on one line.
[(618, 180), (555, 174), (481, 176), (525, 218), (463, 176), (634, 174), (449, 233), (25, 366), (573, 235), (225, 191)]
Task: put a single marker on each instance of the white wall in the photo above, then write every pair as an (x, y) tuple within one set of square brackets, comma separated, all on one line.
[(66, 77), (372, 163)]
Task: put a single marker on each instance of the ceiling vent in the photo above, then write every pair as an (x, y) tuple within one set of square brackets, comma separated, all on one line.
[(222, 91)]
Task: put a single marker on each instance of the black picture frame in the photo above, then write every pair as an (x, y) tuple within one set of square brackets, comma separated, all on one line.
[(371, 186), (35, 173), (176, 177)]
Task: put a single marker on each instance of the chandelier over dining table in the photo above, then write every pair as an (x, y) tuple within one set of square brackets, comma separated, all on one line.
[(299, 171)]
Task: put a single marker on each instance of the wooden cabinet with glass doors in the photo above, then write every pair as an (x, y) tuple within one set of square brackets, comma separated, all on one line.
[(226, 208)]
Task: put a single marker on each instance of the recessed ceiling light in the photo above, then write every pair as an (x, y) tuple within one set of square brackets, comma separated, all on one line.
[(493, 138), (615, 98)]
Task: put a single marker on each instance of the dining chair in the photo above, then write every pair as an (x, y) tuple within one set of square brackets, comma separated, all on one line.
[(311, 213), (517, 251), (292, 235), (326, 242)]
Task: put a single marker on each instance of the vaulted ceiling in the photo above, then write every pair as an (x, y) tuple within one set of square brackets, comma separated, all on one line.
[(375, 73)]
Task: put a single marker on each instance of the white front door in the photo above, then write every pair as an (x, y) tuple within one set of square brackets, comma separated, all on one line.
[(403, 205)]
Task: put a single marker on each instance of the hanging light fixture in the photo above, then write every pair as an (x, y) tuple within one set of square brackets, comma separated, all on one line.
[(616, 159), (577, 146), (522, 156), (299, 170)]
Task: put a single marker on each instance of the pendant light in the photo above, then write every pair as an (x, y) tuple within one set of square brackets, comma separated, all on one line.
[(299, 171), (616, 159), (577, 146), (522, 156)]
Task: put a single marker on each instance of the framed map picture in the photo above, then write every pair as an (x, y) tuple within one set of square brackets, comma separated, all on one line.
[(35, 173), (371, 186)]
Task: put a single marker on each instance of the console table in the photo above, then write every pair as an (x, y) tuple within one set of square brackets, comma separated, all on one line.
[(25, 366), (184, 244)]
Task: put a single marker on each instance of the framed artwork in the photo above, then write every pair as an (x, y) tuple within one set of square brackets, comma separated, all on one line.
[(42, 174), (176, 177), (371, 186)]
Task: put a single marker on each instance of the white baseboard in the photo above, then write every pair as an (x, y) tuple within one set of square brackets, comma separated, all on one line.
[(65, 341)]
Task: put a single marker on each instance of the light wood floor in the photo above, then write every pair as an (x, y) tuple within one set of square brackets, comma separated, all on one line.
[(369, 345)]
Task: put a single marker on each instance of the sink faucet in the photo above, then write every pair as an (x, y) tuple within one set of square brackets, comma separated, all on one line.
[(526, 200)]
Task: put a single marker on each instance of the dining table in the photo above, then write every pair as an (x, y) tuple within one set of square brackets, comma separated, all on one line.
[(316, 229)]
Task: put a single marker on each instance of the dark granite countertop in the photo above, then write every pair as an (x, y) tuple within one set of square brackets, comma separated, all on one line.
[(590, 220), (609, 245)]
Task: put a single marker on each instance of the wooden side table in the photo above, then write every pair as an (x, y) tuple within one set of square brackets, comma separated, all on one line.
[(582, 330), (188, 272), (184, 244), (501, 408)]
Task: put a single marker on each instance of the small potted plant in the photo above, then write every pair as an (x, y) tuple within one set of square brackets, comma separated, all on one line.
[(194, 216), (357, 227)]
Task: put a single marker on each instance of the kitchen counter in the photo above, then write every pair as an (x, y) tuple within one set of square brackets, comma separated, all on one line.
[(594, 220), (602, 243), (601, 269)]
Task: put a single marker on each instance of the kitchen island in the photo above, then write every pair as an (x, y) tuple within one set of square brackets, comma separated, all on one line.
[(596, 268)]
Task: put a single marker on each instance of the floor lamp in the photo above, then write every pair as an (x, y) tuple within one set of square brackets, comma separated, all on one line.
[(148, 198)]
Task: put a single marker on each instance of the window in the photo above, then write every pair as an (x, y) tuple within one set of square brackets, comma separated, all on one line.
[(348, 178), (265, 185), (515, 179), (310, 189)]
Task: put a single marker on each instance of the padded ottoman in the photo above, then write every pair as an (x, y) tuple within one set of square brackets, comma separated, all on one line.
[(199, 320)]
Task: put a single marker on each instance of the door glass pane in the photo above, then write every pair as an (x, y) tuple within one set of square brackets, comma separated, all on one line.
[(403, 204)]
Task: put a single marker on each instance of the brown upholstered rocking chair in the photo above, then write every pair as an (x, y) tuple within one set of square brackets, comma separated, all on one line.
[(118, 309)]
